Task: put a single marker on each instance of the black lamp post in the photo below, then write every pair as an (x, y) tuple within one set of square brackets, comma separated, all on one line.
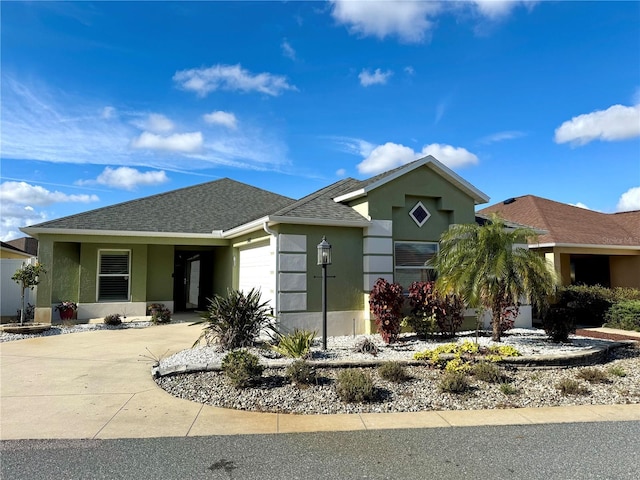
[(324, 259)]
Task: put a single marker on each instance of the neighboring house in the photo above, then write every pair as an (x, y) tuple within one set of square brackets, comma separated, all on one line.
[(182, 247), (26, 244), (11, 259), (585, 247)]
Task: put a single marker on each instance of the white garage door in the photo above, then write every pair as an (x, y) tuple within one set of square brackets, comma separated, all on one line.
[(257, 270)]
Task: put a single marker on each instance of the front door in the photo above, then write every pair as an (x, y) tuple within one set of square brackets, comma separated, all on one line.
[(192, 279)]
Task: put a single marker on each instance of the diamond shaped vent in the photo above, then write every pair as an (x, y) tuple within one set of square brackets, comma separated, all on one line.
[(419, 214)]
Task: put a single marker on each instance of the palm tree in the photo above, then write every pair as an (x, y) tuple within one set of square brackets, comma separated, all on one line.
[(480, 263)]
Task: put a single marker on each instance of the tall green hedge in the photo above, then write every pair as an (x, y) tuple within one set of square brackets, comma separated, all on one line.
[(590, 304), (624, 315)]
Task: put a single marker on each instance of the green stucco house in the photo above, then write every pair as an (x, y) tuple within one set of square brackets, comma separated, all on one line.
[(181, 247)]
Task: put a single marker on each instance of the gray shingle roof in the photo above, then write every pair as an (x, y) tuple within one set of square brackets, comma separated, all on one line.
[(217, 205), (320, 205)]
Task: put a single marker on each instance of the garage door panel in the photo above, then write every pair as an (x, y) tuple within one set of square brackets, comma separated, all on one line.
[(257, 271)]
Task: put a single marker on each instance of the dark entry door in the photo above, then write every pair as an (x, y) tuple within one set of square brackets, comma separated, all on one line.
[(192, 279)]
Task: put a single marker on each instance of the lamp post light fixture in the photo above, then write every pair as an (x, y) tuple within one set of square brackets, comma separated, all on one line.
[(324, 259)]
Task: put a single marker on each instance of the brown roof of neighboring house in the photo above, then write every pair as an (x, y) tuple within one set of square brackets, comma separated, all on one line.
[(26, 244), (567, 224)]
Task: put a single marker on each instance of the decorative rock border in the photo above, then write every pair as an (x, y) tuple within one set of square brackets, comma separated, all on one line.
[(29, 329), (590, 356)]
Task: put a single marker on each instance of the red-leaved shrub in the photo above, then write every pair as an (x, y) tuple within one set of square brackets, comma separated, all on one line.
[(385, 301)]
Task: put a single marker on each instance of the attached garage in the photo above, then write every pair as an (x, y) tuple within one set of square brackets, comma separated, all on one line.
[(257, 270)]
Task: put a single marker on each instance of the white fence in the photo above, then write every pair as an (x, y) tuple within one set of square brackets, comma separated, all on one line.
[(10, 290)]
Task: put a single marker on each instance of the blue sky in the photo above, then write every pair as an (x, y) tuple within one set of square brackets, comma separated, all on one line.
[(109, 101)]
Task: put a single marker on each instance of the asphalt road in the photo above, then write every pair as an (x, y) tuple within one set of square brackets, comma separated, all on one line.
[(553, 451)]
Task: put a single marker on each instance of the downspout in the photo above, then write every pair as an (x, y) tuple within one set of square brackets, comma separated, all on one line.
[(265, 227)]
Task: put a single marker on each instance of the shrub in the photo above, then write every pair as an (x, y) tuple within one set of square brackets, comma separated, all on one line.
[(301, 373), (624, 294), (588, 303), (624, 315), (428, 309), (558, 323), (366, 345), (593, 375), (385, 301), (453, 382), (508, 388), (234, 321), (159, 313), (487, 372), (242, 368), (354, 386), (424, 325), (294, 345), (567, 386), (113, 319), (617, 371), (393, 372)]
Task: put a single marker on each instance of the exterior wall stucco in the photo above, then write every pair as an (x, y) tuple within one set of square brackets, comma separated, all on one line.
[(160, 273), (625, 271)]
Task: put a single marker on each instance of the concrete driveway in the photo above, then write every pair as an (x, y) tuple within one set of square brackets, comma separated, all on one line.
[(98, 385)]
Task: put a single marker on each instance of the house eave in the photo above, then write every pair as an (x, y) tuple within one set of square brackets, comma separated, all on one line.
[(274, 220), (584, 245), (35, 232)]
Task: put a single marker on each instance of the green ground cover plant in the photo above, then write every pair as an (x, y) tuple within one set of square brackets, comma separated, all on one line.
[(294, 345), (242, 368), (624, 315), (393, 372), (355, 386)]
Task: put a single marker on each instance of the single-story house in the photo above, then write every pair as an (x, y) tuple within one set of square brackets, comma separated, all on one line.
[(585, 246), (182, 247)]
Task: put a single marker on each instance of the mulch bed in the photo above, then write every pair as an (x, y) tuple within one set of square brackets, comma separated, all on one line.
[(605, 336)]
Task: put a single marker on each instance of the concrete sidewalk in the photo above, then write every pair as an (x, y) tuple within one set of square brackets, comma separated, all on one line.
[(98, 385)]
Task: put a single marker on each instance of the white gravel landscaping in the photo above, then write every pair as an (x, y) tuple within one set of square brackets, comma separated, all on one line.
[(528, 342), (532, 388), (66, 329)]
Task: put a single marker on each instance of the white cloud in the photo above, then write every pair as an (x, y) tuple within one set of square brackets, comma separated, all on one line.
[(354, 146), (392, 155), (108, 113), (127, 178), (409, 21), (629, 200), (376, 78), (287, 50), (230, 77), (409, 70), (178, 142), (219, 117), (16, 206), (341, 172), (580, 205), (495, 9), (156, 123), (51, 125), (22, 193), (501, 136), (615, 123), (413, 21)]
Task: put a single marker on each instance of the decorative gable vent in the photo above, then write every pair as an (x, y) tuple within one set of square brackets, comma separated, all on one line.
[(419, 214)]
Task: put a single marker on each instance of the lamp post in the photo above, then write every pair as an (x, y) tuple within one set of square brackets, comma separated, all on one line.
[(324, 259)]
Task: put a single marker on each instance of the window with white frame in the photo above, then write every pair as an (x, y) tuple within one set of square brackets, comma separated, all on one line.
[(412, 262), (113, 275)]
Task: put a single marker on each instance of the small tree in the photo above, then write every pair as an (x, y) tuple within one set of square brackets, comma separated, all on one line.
[(481, 264), (386, 301), (28, 276)]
